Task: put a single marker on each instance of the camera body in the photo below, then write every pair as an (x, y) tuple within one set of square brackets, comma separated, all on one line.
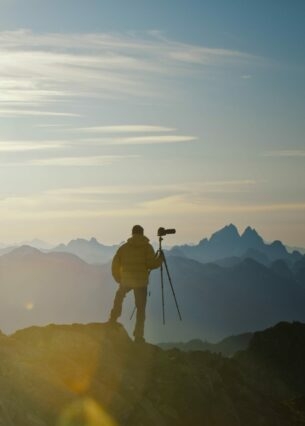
[(163, 231)]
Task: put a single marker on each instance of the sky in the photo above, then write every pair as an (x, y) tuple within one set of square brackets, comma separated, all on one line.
[(173, 113)]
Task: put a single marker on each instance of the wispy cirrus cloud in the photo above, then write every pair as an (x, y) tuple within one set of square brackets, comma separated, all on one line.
[(66, 161), (140, 201), (100, 192), (96, 160), (80, 148), (185, 205), (246, 76), (41, 68), (124, 197), (23, 146), (148, 43), (150, 135), (142, 140), (132, 128), (11, 112), (286, 153)]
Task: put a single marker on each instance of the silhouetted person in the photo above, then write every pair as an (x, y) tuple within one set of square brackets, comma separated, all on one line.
[(130, 268)]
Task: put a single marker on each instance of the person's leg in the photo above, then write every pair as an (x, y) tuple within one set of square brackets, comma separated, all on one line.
[(118, 302), (140, 299)]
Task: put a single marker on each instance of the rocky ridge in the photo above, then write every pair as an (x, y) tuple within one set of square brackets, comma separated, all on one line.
[(95, 375)]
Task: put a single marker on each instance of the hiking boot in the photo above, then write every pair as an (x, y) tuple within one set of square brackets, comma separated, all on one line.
[(112, 323)]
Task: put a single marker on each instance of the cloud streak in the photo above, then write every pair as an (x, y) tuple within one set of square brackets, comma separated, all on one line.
[(86, 151), (190, 189), (141, 201), (143, 140), (11, 112), (286, 153), (151, 134), (23, 146), (80, 161), (133, 128), (43, 68)]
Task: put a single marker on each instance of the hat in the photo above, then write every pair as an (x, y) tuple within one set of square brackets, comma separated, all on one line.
[(137, 229)]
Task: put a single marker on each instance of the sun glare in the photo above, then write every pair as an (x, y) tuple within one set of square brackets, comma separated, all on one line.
[(89, 412), (29, 306)]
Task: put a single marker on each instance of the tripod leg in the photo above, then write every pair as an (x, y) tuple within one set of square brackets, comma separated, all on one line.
[(162, 292), (134, 309), (171, 285), (132, 314)]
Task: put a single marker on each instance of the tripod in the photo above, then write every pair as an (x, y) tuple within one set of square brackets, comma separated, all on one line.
[(170, 282), (161, 252)]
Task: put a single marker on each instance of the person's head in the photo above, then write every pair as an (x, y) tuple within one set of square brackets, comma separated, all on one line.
[(137, 230)]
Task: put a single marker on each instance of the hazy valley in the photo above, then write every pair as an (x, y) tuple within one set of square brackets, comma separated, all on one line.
[(233, 294)]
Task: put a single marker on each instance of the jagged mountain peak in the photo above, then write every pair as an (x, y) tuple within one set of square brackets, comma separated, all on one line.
[(89, 250), (278, 248), (92, 242), (277, 243), (249, 231), (227, 242), (203, 242), (225, 233), (251, 237)]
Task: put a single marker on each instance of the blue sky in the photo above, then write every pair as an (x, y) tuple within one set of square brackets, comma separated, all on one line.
[(181, 114)]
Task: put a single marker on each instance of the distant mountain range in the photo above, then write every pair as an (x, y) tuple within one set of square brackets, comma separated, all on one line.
[(215, 301), (40, 288), (219, 301), (225, 247), (227, 347), (91, 251)]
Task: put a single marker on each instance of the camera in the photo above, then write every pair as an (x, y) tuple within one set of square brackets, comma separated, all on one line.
[(163, 231)]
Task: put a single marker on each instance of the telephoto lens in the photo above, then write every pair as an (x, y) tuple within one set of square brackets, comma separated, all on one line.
[(163, 231), (170, 231)]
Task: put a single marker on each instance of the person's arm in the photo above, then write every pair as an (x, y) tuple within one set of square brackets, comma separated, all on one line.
[(116, 267), (154, 260)]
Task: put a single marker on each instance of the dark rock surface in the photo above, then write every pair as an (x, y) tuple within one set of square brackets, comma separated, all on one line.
[(95, 375)]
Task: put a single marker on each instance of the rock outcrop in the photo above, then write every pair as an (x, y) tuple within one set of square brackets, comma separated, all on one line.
[(95, 375)]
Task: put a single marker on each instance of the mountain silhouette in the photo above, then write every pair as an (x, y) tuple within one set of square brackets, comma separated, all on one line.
[(227, 347), (218, 301), (274, 360), (299, 270), (215, 301), (91, 251), (39, 288), (225, 247), (228, 243), (251, 239)]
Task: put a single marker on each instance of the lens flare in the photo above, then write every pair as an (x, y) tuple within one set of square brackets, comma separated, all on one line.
[(29, 306), (85, 412)]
